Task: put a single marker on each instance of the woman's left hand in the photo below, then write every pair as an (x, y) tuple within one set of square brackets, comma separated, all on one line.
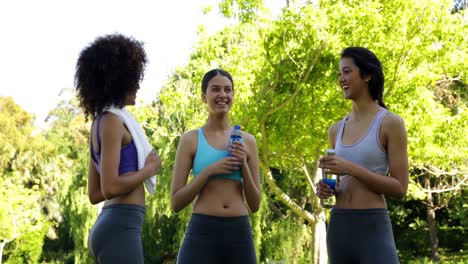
[(238, 150), (336, 165)]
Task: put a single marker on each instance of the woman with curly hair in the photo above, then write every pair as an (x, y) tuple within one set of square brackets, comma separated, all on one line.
[(107, 77)]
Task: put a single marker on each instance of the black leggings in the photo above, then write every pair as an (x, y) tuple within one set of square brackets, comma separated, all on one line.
[(116, 235), (213, 239), (361, 236)]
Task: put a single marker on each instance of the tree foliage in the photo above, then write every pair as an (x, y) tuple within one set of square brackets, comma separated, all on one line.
[(27, 185), (293, 96), (286, 95)]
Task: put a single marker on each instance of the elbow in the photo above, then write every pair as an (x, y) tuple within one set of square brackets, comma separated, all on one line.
[(94, 199), (174, 206), (401, 193), (176, 209), (254, 207)]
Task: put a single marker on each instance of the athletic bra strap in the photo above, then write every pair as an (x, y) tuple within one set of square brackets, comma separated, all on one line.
[(201, 138), (97, 131), (91, 148), (340, 131), (380, 117)]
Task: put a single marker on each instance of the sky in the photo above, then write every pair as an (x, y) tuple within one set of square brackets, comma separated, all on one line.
[(41, 41)]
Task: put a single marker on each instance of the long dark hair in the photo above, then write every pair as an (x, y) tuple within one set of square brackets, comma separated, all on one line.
[(368, 64), (211, 74)]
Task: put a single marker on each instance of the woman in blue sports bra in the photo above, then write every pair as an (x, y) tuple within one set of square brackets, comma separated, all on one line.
[(225, 184), (372, 162), (108, 73)]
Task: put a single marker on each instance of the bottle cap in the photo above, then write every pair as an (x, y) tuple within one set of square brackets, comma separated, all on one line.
[(237, 127)]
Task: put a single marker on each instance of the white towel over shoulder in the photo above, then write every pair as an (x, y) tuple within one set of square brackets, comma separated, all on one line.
[(142, 144)]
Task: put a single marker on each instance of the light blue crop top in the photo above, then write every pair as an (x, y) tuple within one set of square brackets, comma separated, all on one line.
[(207, 155)]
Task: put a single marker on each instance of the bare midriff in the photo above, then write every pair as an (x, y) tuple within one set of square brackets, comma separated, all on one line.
[(221, 197), (352, 194)]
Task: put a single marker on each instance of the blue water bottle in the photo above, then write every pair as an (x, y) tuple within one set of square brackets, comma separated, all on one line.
[(330, 180), (235, 136)]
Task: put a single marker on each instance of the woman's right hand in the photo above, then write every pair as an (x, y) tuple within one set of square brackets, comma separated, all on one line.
[(323, 190), (153, 163), (225, 165)]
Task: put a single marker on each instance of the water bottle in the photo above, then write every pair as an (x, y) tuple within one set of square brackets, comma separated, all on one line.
[(235, 136), (330, 180)]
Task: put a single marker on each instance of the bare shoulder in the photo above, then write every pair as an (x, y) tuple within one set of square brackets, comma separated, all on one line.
[(110, 118), (189, 137), (392, 123), (189, 141), (249, 139), (110, 123)]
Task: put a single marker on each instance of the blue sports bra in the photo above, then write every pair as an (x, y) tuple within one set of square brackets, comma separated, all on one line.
[(207, 155), (128, 154)]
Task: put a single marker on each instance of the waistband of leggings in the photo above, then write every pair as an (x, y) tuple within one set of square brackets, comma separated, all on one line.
[(204, 217), (367, 211), (131, 207)]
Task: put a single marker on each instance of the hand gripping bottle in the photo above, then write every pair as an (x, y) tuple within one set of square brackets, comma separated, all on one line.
[(235, 136), (330, 180)]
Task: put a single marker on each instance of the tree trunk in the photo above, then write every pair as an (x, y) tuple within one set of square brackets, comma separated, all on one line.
[(431, 222), (2, 245), (319, 243), (285, 199), (319, 249)]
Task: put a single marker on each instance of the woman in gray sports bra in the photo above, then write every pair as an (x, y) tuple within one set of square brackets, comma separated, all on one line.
[(371, 161), (225, 184), (108, 73)]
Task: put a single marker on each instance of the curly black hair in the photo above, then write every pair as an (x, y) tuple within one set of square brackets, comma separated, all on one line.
[(107, 70)]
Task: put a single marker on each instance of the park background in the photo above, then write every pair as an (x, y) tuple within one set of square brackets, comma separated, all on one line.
[(287, 95)]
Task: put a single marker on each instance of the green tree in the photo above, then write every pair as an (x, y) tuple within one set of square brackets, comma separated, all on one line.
[(26, 181), (69, 133), (289, 67)]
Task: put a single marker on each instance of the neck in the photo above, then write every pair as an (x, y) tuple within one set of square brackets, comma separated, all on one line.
[(218, 122), (364, 107)]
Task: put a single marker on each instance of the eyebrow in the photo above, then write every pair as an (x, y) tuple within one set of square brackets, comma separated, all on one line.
[(218, 86)]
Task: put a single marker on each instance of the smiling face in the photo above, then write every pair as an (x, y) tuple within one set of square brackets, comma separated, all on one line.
[(219, 94), (350, 79)]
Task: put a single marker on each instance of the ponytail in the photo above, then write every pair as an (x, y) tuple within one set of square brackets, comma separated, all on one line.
[(381, 103)]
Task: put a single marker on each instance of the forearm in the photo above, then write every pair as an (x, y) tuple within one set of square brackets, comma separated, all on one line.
[(186, 194), (378, 183), (94, 185), (96, 197), (252, 192)]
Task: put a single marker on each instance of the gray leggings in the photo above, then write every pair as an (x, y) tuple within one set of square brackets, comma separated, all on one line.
[(361, 236), (116, 235), (214, 240)]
